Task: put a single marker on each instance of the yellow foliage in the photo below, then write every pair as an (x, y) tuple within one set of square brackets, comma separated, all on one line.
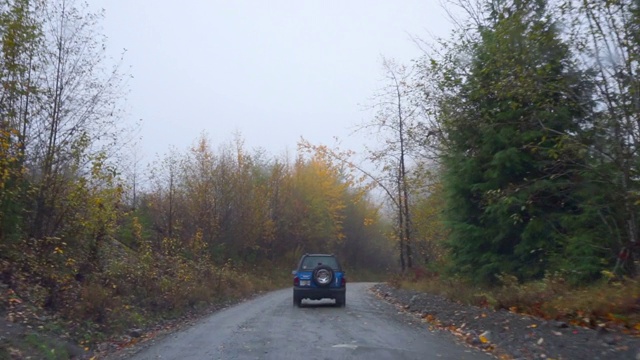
[(324, 197)]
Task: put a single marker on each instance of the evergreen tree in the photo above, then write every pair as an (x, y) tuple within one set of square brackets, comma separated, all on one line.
[(513, 165)]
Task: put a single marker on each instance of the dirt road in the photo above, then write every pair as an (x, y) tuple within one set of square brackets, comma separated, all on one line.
[(270, 327)]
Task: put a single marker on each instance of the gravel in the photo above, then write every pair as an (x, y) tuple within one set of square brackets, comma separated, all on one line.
[(509, 335)]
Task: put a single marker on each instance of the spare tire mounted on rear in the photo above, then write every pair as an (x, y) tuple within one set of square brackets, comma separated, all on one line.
[(323, 275)]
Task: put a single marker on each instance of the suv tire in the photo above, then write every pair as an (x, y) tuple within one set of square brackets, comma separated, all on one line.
[(323, 275)]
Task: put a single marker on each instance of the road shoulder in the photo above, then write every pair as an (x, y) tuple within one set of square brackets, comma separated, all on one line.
[(508, 335)]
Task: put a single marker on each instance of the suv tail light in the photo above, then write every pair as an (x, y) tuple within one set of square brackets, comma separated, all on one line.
[(296, 281), (344, 281)]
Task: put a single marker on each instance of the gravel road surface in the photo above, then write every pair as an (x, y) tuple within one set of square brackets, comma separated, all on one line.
[(270, 327)]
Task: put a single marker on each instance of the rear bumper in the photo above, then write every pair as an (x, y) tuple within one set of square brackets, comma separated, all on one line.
[(318, 293)]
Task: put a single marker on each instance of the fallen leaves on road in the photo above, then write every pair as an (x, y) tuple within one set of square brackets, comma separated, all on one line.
[(483, 339)]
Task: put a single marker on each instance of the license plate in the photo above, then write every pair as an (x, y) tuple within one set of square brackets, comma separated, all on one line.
[(305, 282)]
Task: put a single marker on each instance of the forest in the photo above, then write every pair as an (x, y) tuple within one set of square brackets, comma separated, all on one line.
[(510, 154)]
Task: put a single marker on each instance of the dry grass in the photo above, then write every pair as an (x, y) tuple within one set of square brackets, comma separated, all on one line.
[(363, 275), (135, 290), (611, 304)]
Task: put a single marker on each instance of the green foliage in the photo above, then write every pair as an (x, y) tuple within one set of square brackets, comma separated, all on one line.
[(48, 349), (514, 160), (19, 35)]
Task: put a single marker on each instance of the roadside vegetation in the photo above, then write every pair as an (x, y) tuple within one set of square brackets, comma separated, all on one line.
[(601, 305), (94, 244), (529, 136), (508, 163)]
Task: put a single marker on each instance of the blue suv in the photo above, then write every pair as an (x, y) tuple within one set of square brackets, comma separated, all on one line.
[(319, 276)]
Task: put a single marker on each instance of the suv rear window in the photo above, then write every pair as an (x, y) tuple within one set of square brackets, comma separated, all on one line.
[(310, 262)]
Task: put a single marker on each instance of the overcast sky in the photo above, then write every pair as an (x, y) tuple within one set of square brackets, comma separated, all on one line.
[(271, 70)]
